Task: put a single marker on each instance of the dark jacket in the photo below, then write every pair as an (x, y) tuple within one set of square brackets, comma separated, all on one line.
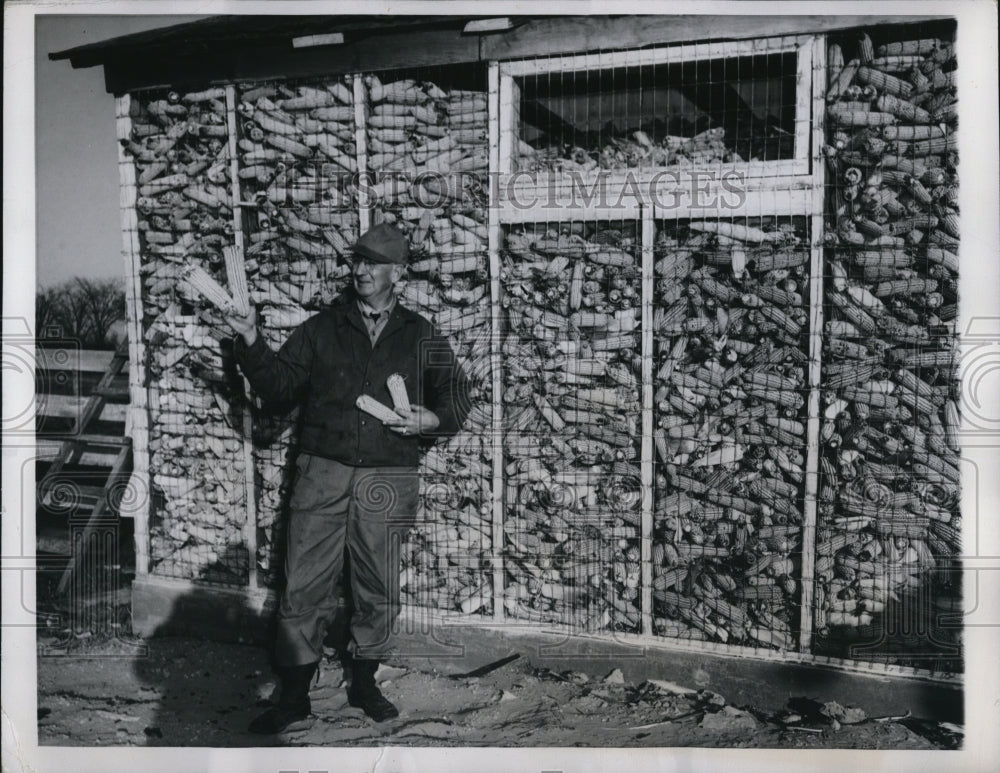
[(328, 361)]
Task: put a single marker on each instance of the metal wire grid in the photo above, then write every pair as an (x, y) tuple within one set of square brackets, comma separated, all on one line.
[(681, 106), (870, 574), (889, 523), (731, 340), (426, 172), (179, 147), (571, 293), (296, 168)]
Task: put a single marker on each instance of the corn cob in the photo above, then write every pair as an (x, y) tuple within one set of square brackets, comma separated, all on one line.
[(373, 407), (397, 389), (848, 117), (733, 231), (236, 273)]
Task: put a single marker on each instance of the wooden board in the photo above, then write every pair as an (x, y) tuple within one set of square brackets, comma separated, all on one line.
[(226, 63), (71, 407), (78, 360), (539, 203), (249, 471), (138, 505), (360, 94), (606, 60), (814, 375), (804, 75), (229, 58), (494, 237), (675, 192), (647, 452), (590, 33), (508, 119), (47, 450)]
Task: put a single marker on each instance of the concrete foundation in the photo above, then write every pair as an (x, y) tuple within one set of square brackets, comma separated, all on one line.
[(164, 607)]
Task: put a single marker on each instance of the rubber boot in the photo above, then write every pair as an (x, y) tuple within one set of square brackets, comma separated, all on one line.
[(292, 706), (364, 693)]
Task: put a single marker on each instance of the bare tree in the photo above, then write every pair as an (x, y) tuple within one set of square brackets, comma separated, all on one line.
[(85, 310), (104, 304), (73, 316), (49, 310)]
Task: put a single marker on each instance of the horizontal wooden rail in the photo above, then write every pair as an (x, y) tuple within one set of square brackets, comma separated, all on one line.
[(68, 358), (72, 406), (47, 449)]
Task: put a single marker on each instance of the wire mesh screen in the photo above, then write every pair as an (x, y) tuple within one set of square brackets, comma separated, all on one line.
[(297, 163), (730, 332), (571, 369), (727, 329), (679, 106), (179, 144), (889, 522), (427, 164)]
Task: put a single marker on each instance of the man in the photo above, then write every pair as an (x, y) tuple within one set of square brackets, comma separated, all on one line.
[(356, 478)]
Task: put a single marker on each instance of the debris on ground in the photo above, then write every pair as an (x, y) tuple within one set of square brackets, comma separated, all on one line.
[(845, 716), (944, 735), (729, 719), (670, 687), (386, 672), (489, 668), (161, 696)]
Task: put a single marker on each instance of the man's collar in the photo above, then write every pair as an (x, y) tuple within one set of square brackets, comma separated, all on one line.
[(367, 308)]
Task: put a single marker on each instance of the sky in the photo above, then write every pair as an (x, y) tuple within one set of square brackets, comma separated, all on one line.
[(78, 223)]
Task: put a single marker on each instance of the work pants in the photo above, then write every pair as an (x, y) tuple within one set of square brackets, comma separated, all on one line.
[(334, 507)]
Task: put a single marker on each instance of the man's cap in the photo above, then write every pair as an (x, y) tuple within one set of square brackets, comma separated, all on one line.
[(383, 243)]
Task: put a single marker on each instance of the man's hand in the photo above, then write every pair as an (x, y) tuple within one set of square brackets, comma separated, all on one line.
[(245, 326), (418, 421)]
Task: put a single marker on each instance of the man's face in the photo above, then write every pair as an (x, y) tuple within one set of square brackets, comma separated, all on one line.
[(374, 280)]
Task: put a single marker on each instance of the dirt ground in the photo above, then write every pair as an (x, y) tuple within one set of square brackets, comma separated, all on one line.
[(186, 692)]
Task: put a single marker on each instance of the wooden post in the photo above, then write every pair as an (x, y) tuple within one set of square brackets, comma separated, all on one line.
[(815, 346), (250, 469), (361, 147), (508, 119), (493, 245), (137, 505), (805, 86), (646, 544)]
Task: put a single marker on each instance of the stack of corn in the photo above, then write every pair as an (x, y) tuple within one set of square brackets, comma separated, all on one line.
[(730, 328), (179, 144), (180, 148), (890, 455), (196, 455), (297, 161), (273, 458), (628, 153), (427, 148), (427, 162), (571, 414)]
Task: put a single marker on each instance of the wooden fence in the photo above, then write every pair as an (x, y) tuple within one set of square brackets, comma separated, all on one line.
[(64, 381)]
